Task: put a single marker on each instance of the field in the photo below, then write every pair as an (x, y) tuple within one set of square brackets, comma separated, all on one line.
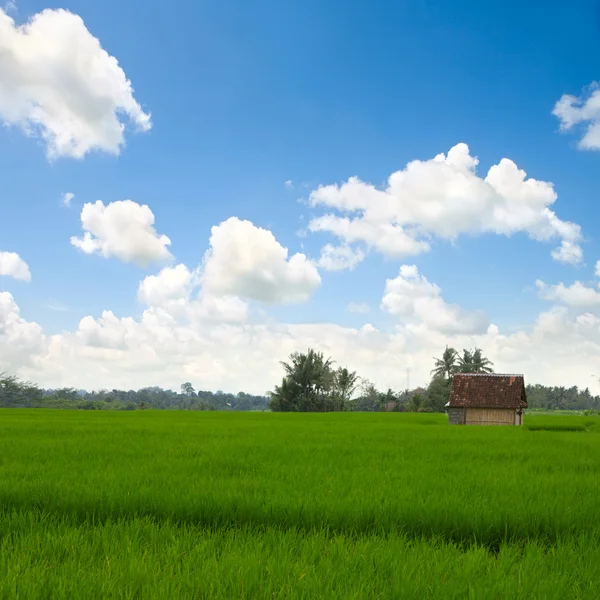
[(151, 504)]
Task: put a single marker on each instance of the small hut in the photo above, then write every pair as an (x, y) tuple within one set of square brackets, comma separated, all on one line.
[(486, 399)]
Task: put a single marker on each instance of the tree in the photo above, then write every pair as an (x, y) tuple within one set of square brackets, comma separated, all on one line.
[(446, 366), (16, 393), (284, 397), (416, 403), (344, 382), (369, 399), (479, 363), (438, 393), (310, 384), (187, 389), (465, 362), (560, 395), (388, 398), (70, 394)]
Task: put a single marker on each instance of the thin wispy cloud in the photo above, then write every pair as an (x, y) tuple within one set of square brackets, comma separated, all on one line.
[(360, 308), (57, 306), (67, 198)]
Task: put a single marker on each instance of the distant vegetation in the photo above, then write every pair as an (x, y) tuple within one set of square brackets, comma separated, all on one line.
[(311, 383), (15, 393)]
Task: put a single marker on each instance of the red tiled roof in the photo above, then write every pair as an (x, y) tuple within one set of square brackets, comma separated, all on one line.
[(487, 391)]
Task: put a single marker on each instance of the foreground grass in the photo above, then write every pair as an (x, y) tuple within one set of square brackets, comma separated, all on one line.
[(43, 556), (212, 505)]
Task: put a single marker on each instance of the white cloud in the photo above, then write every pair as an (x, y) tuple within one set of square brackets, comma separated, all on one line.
[(21, 342), (576, 295), (10, 6), (339, 258), (243, 261), (247, 261), (597, 269), (416, 301), (566, 348), (12, 265), (170, 289), (218, 309), (289, 184), (167, 346), (583, 111), (56, 81), (360, 308), (176, 291), (57, 306), (568, 253), (67, 197), (122, 229), (157, 349), (444, 197)]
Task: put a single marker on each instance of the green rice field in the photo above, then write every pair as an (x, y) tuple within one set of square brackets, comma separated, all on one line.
[(157, 505)]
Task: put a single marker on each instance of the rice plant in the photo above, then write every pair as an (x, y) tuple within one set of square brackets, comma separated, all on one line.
[(151, 504)]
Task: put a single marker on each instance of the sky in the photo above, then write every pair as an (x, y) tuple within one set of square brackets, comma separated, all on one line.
[(193, 192)]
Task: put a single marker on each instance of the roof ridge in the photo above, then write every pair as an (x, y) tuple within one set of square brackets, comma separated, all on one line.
[(491, 374)]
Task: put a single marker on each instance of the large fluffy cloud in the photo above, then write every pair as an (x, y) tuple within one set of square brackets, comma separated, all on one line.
[(124, 230), (159, 349), (197, 325), (176, 292), (12, 265), (245, 260), (444, 197), (416, 301), (58, 82), (21, 342), (170, 289), (583, 111)]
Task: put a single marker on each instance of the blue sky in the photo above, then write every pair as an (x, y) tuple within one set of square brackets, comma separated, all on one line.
[(246, 96)]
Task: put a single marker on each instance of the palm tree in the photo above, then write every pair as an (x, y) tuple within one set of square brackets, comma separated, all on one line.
[(283, 397), (479, 363), (387, 397), (307, 383), (344, 385), (465, 362), (445, 366), (416, 403)]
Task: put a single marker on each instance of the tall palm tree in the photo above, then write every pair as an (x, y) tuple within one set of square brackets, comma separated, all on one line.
[(345, 384), (445, 366), (479, 363), (465, 362)]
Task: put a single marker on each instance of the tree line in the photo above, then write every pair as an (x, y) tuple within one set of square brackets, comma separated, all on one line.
[(15, 393), (311, 383)]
